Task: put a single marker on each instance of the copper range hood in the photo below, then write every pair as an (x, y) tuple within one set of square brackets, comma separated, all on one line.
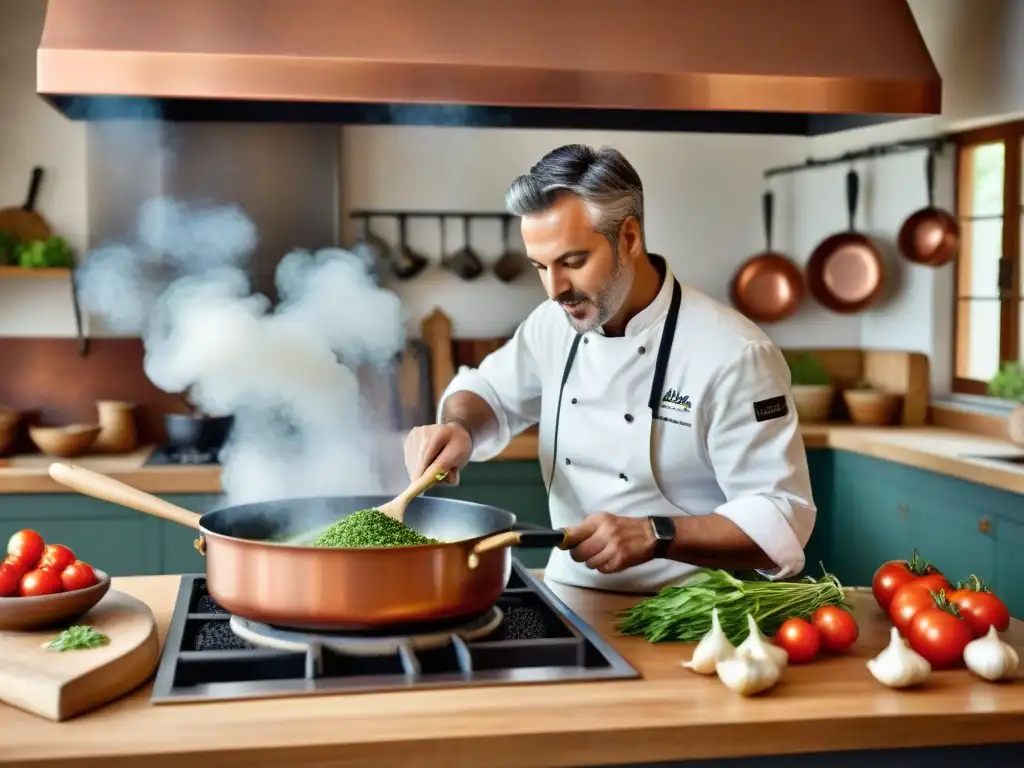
[(800, 67)]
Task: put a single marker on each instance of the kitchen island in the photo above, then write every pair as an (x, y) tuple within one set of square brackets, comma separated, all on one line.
[(668, 715)]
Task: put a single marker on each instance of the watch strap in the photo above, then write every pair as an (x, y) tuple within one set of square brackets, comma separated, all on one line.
[(664, 534)]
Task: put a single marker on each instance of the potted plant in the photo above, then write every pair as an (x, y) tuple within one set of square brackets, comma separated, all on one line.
[(870, 406), (1008, 384), (811, 386)]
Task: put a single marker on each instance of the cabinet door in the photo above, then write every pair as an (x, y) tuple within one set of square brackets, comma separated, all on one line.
[(959, 539), (874, 520), (1008, 579), (109, 537), (818, 549)]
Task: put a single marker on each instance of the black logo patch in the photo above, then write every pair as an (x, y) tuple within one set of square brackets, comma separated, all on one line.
[(772, 408)]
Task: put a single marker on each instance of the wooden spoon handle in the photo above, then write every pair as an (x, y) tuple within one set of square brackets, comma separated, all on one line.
[(100, 486), (434, 474)]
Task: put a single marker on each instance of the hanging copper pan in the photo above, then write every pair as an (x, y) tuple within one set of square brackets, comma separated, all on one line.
[(930, 236), (845, 272), (767, 287)]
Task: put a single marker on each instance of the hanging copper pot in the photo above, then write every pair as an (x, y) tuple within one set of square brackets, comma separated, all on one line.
[(930, 236), (768, 287), (845, 272)]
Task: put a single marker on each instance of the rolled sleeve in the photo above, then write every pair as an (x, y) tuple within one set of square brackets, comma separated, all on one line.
[(509, 382), (761, 466)]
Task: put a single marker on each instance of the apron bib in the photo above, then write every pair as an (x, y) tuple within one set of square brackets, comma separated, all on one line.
[(601, 459)]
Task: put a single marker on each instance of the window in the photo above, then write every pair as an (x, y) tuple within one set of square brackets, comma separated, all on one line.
[(987, 320)]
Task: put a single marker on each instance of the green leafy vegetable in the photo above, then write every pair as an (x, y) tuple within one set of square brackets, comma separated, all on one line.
[(39, 254), (9, 243), (683, 612), (370, 528), (77, 638), (806, 370)]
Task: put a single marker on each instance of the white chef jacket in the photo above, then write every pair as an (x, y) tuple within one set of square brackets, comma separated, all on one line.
[(725, 439)]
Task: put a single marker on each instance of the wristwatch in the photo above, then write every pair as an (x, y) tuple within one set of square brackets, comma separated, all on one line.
[(664, 534)]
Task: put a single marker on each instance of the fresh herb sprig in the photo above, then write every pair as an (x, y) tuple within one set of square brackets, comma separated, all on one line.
[(77, 638), (683, 613)]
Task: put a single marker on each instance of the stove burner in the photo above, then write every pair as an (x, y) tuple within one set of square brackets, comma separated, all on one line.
[(166, 454), (528, 636), (311, 643)]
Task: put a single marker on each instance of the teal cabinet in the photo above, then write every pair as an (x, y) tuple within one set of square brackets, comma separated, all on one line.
[(881, 510)]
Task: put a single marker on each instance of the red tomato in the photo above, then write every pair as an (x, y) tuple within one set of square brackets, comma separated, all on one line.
[(17, 565), (800, 639), (837, 627), (26, 545), (939, 635), (9, 580), (56, 557), (894, 574), (78, 575), (909, 600), (979, 608), (39, 582)]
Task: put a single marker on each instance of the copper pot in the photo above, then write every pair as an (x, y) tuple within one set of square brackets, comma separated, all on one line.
[(250, 574), (768, 287), (930, 236), (845, 272)]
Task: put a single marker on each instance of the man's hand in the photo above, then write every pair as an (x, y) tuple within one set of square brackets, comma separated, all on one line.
[(449, 444), (611, 543)]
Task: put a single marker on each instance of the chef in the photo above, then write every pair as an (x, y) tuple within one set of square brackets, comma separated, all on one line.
[(668, 437)]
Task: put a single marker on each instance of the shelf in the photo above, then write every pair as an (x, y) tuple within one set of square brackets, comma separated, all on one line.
[(42, 273)]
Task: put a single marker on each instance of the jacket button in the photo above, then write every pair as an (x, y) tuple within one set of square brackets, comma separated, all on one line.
[(568, 460), (574, 401), (586, 340), (622, 476), (642, 350), (629, 418)]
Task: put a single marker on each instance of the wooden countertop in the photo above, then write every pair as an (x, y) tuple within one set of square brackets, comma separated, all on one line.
[(670, 713), (936, 449)]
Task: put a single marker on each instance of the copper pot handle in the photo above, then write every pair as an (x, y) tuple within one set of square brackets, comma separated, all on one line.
[(540, 538), (99, 486)]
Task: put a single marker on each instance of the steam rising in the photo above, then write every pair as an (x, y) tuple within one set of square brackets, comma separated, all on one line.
[(287, 373)]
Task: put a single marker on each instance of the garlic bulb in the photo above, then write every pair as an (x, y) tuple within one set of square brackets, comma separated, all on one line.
[(757, 646), (899, 665), (747, 675), (991, 658), (711, 649)]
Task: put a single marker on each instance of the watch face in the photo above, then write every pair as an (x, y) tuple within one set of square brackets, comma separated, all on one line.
[(664, 528)]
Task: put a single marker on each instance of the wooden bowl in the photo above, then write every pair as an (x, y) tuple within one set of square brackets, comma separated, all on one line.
[(8, 428), (28, 613), (871, 408), (813, 402), (72, 440)]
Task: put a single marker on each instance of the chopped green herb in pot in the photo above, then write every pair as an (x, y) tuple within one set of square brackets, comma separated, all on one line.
[(77, 638), (370, 528), (683, 613)]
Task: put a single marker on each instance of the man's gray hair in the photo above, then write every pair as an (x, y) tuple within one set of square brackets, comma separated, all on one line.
[(608, 185)]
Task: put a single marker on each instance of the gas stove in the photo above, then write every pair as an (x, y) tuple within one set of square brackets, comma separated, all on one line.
[(529, 636), (165, 455)]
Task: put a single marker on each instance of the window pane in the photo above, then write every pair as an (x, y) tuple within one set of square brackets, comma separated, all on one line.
[(983, 182), (977, 349), (980, 251)]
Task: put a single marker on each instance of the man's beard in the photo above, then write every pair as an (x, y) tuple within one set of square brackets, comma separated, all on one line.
[(607, 302)]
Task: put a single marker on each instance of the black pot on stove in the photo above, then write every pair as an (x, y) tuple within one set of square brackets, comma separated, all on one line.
[(197, 432)]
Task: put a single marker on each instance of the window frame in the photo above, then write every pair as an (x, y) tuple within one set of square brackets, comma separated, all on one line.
[(1011, 134)]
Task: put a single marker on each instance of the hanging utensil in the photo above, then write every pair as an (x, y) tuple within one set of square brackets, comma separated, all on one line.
[(24, 222), (768, 287), (931, 235), (512, 262), (407, 263), (253, 572), (845, 272), (374, 250), (465, 262)]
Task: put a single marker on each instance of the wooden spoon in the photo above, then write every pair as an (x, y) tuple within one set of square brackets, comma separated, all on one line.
[(396, 507)]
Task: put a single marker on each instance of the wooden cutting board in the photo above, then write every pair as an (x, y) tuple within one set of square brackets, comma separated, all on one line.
[(61, 685)]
